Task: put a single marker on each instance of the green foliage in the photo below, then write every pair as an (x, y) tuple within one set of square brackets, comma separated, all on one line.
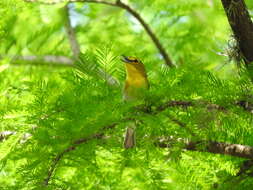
[(69, 124), (69, 107)]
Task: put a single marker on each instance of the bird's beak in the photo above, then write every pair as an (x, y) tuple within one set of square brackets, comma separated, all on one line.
[(125, 59)]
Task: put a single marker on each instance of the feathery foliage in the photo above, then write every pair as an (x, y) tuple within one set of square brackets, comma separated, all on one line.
[(66, 125)]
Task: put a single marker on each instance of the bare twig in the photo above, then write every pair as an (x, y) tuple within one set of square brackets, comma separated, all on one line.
[(4, 135), (71, 33), (135, 14), (53, 60), (149, 31)]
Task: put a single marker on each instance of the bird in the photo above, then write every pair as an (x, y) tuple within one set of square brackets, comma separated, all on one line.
[(136, 83)]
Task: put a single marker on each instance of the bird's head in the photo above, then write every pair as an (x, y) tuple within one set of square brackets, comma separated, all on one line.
[(133, 66), (130, 60)]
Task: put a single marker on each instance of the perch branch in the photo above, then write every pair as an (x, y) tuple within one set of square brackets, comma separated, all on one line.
[(100, 135)]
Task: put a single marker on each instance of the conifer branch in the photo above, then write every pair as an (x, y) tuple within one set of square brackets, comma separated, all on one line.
[(237, 150), (101, 134), (185, 104), (76, 143), (135, 14)]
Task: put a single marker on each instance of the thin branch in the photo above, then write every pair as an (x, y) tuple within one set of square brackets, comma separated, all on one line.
[(149, 31), (237, 150), (56, 160), (76, 48), (135, 14), (185, 104), (72, 1), (4, 135), (53, 60), (71, 33)]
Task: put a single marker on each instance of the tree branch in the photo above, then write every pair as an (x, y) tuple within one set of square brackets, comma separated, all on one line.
[(101, 134), (237, 150), (135, 14), (53, 60), (242, 26), (76, 48), (56, 160), (151, 34), (71, 33), (4, 135), (185, 104)]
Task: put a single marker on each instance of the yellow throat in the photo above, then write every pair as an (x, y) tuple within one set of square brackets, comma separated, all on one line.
[(136, 79)]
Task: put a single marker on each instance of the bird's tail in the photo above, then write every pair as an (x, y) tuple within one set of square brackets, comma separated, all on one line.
[(129, 141)]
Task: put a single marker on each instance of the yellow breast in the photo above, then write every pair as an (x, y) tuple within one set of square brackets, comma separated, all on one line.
[(134, 88), (136, 81)]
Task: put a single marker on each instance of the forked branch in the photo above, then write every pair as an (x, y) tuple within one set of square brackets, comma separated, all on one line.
[(131, 11)]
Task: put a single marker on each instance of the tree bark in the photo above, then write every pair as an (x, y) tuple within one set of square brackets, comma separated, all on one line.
[(237, 150), (242, 26)]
